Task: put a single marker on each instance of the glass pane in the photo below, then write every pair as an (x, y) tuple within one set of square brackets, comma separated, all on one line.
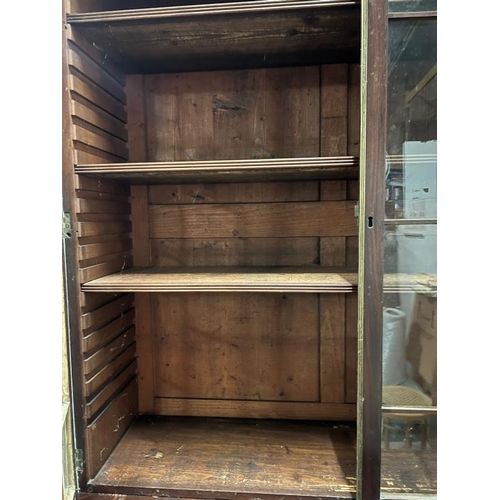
[(409, 392), (412, 5)]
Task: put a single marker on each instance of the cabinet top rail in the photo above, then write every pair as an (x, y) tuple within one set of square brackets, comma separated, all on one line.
[(207, 9)]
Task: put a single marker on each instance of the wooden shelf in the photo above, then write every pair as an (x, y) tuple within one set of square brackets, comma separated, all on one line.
[(275, 169), (217, 36), (245, 279), (226, 279)]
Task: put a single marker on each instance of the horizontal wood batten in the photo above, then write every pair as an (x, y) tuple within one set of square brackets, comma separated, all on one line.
[(253, 220), (87, 112), (105, 314), (88, 90), (103, 248), (106, 334), (108, 353), (92, 301), (115, 386), (86, 66), (103, 228), (97, 55), (102, 378), (110, 426), (101, 259), (98, 139), (124, 261), (98, 186), (254, 409), (276, 169)]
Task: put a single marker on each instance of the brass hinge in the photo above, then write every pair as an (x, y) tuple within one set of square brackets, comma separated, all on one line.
[(79, 461), (66, 225)]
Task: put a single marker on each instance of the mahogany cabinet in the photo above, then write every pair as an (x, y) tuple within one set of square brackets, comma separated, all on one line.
[(223, 180)]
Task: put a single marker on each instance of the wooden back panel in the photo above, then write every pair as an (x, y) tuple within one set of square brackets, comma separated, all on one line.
[(224, 354)]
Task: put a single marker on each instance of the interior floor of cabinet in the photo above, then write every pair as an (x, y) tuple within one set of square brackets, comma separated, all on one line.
[(217, 458)]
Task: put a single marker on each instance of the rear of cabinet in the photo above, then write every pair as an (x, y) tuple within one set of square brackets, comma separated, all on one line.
[(211, 176)]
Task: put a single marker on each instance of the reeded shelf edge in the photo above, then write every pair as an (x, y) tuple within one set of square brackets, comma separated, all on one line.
[(206, 9), (274, 169), (249, 279)]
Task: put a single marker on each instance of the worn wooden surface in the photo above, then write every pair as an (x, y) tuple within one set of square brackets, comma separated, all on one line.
[(255, 192), (351, 344), (101, 232), (221, 458), (206, 38), (233, 346), (264, 279), (328, 218), (231, 115), (315, 279), (332, 348), (224, 171), (105, 432), (255, 409), (218, 458), (234, 252), (373, 127)]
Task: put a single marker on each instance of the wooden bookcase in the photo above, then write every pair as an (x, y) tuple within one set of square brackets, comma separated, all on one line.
[(211, 173)]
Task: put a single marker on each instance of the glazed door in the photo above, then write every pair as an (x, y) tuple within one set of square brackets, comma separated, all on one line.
[(398, 265), (409, 335)]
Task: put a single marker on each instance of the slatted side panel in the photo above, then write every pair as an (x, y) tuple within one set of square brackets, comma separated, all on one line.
[(103, 232), (98, 101), (108, 330)]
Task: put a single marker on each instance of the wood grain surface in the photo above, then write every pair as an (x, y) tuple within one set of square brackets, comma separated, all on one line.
[(194, 38), (234, 346), (217, 458)]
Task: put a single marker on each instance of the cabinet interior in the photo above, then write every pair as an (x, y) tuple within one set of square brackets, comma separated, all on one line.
[(215, 188)]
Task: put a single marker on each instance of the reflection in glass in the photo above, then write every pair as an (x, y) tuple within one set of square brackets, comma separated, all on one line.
[(409, 369), (412, 5)]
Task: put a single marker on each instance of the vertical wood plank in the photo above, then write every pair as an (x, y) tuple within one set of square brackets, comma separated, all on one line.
[(333, 190), (160, 98), (334, 91), (144, 335), (239, 114), (144, 342), (292, 103), (353, 110), (136, 118), (140, 225), (332, 351), (138, 151), (351, 347), (194, 132), (352, 251), (333, 251), (236, 346)]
